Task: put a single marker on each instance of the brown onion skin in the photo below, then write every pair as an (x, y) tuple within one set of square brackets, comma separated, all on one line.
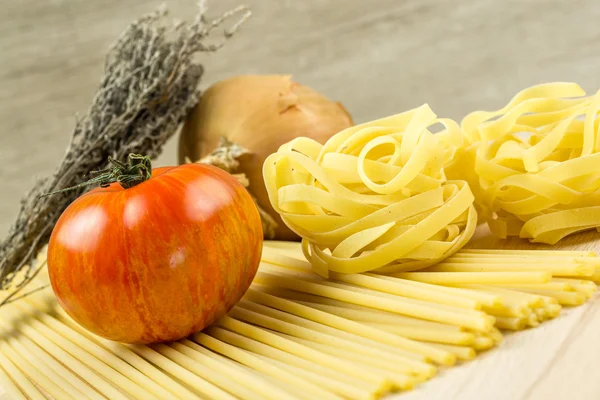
[(259, 113)]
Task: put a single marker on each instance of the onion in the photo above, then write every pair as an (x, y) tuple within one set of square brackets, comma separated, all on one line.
[(259, 113)]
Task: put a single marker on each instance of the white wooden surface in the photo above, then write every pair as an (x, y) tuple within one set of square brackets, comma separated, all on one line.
[(378, 57)]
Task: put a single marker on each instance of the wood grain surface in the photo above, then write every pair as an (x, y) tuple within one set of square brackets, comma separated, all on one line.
[(377, 57)]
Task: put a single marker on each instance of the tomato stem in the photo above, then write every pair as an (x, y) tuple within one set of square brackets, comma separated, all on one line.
[(136, 170)]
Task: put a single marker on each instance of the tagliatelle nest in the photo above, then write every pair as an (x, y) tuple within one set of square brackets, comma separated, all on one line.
[(534, 164), (375, 196), (150, 84)]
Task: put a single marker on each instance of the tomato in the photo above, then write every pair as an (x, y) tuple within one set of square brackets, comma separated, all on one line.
[(157, 261)]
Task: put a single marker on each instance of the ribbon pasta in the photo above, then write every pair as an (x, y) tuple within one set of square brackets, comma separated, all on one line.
[(534, 164), (375, 196)]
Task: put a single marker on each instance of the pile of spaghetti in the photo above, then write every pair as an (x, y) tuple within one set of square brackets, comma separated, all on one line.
[(296, 335)]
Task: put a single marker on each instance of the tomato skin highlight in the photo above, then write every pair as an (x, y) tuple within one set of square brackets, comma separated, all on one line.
[(158, 261)]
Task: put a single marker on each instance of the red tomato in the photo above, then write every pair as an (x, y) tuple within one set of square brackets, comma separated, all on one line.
[(160, 260)]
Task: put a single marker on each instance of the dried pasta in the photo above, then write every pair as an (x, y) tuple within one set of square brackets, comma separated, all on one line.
[(532, 165), (374, 197)]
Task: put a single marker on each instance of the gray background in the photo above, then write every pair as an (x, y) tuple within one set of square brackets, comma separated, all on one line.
[(377, 57)]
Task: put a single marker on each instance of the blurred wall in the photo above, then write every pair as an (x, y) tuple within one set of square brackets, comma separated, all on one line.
[(377, 57)]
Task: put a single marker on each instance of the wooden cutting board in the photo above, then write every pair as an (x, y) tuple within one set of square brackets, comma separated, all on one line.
[(558, 360)]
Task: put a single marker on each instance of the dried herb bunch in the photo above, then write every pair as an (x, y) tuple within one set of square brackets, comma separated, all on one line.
[(150, 84)]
